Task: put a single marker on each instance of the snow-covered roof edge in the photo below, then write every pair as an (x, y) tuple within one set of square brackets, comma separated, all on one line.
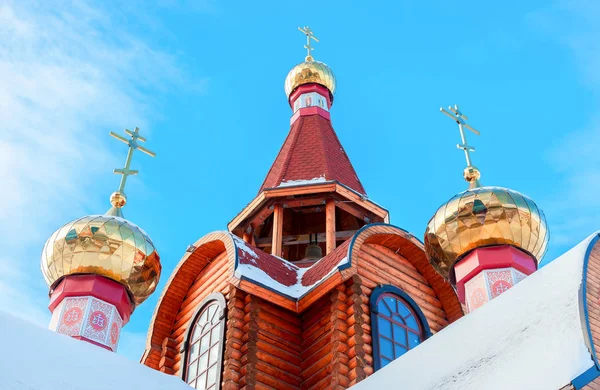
[(40, 359), (533, 336), (259, 276)]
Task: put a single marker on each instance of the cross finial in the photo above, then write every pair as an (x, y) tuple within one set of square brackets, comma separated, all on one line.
[(309, 35), (118, 198), (471, 174)]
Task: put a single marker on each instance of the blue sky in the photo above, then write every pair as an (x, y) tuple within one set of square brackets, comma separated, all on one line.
[(204, 82)]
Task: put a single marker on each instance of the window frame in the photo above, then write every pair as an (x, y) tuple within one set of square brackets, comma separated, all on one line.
[(222, 316), (409, 302)]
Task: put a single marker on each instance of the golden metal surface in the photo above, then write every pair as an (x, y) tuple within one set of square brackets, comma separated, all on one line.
[(480, 217), (472, 176), (118, 199), (310, 72), (103, 245)]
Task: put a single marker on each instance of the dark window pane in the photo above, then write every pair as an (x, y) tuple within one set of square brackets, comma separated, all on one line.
[(204, 343), (403, 310), (203, 362), (412, 322), (194, 351), (399, 350), (212, 375), (203, 357), (211, 312), (400, 335), (386, 348), (385, 327), (391, 302), (398, 327), (398, 318), (413, 339), (214, 354), (201, 383), (383, 308), (215, 336), (193, 370)]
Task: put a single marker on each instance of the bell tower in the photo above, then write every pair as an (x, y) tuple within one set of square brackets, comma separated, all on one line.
[(312, 197)]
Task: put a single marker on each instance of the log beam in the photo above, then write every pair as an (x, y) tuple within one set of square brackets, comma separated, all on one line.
[(277, 230), (330, 240)]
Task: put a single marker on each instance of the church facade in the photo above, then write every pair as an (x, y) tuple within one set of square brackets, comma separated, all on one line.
[(311, 287)]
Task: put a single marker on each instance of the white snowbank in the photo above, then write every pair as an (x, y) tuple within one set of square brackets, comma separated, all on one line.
[(36, 358), (528, 338)]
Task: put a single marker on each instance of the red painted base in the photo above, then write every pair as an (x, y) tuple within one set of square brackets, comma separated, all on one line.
[(310, 111), (491, 258), (96, 286), (91, 308), (307, 88)]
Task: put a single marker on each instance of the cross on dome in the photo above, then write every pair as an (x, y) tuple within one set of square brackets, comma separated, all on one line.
[(118, 198), (471, 173), (309, 35)]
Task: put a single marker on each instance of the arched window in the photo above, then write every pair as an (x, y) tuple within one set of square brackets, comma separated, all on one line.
[(205, 338), (397, 324)]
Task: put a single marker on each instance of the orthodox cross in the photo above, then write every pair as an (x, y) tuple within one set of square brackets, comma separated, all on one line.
[(309, 35), (133, 145), (461, 119)]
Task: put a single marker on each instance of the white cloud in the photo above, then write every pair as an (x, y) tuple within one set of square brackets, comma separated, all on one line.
[(69, 73)]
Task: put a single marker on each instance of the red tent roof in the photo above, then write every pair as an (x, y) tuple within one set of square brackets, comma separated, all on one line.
[(312, 150)]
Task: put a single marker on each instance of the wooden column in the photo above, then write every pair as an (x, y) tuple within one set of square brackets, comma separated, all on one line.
[(277, 230), (330, 226), (247, 237)]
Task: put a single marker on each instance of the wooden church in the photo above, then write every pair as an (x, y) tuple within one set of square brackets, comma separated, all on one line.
[(311, 287), (288, 297)]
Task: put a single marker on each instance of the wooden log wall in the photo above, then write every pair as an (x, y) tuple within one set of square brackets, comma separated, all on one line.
[(592, 299), (380, 265), (323, 332), (215, 277), (271, 347), (327, 346), (234, 334)]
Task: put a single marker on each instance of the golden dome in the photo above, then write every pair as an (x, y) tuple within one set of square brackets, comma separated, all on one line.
[(310, 71), (480, 217), (103, 245)]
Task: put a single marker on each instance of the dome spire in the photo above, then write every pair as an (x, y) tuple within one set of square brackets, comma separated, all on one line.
[(309, 35), (118, 198), (100, 267), (471, 173)]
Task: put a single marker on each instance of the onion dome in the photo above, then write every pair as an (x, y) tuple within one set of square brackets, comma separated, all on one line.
[(103, 245), (484, 216), (310, 71), (107, 245)]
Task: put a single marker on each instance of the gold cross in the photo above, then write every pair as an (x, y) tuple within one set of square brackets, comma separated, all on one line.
[(461, 119), (309, 35), (471, 173), (133, 145)]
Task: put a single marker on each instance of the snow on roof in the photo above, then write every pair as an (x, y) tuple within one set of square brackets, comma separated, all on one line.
[(530, 337), (314, 180), (35, 358), (250, 265)]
